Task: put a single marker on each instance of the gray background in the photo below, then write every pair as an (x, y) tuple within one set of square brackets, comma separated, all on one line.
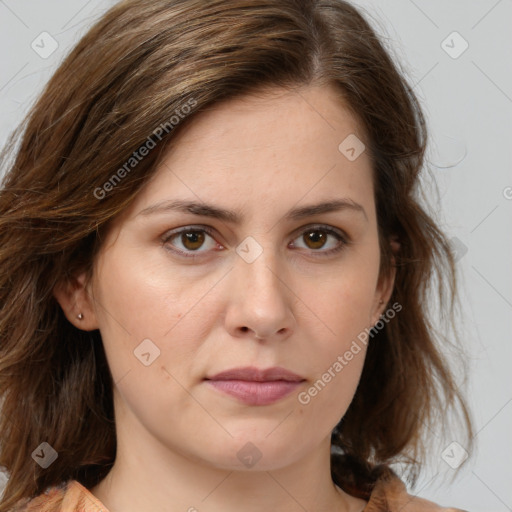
[(467, 98)]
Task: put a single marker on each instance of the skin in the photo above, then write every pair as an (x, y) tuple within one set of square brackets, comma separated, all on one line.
[(178, 438)]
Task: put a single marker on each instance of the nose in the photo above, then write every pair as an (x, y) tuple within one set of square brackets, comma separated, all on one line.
[(261, 299)]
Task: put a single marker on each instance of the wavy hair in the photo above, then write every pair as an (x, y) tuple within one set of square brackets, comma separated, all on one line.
[(133, 72)]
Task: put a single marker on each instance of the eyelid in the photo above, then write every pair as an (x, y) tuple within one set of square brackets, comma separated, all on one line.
[(178, 231), (323, 227), (342, 236)]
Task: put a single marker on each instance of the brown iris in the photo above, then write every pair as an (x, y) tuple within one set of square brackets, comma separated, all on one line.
[(316, 237), (192, 240)]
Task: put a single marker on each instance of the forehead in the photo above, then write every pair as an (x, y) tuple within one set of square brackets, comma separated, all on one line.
[(271, 117), (275, 146)]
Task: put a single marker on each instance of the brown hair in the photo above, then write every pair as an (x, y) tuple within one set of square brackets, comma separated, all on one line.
[(135, 69)]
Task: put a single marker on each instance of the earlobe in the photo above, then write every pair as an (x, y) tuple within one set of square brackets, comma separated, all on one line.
[(76, 302)]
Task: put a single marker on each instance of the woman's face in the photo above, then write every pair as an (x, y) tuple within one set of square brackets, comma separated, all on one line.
[(182, 294)]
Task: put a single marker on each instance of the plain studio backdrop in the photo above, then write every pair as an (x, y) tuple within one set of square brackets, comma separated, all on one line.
[(457, 56)]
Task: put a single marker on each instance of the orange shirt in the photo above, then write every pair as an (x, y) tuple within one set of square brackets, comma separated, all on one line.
[(387, 496)]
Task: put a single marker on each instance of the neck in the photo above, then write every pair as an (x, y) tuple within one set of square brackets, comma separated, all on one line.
[(147, 475)]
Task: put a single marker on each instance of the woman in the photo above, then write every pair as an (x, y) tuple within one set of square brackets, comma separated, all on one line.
[(215, 269)]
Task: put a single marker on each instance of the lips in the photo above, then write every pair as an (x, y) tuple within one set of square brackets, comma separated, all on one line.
[(250, 373), (255, 386)]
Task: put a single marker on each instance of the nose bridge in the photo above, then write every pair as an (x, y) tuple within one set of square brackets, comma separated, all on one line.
[(258, 265)]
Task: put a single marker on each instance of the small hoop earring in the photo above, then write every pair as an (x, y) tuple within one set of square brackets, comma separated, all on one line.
[(80, 316)]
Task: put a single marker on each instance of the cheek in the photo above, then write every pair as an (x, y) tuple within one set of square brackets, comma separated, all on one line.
[(150, 332), (330, 393), (138, 300), (345, 303), (338, 359), (142, 291)]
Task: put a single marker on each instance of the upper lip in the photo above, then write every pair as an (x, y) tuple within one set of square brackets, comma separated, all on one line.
[(251, 373)]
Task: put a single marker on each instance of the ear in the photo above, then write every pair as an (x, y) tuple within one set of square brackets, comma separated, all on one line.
[(385, 285), (75, 298)]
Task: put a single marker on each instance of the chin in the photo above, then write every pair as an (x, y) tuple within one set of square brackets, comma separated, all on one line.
[(254, 453)]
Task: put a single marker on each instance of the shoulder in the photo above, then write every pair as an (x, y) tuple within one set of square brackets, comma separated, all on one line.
[(69, 496), (390, 494), (378, 485)]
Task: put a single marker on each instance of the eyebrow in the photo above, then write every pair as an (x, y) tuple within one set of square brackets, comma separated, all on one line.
[(233, 217)]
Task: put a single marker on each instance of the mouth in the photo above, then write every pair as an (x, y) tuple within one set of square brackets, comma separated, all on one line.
[(253, 386)]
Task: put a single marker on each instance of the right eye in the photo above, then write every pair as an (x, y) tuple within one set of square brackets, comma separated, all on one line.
[(191, 240)]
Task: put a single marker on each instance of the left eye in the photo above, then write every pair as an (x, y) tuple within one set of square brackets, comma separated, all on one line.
[(316, 238), (192, 239)]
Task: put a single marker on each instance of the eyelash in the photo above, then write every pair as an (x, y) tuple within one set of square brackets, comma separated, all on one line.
[(343, 238)]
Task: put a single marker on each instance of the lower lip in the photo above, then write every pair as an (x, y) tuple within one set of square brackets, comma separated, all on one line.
[(256, 393)]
